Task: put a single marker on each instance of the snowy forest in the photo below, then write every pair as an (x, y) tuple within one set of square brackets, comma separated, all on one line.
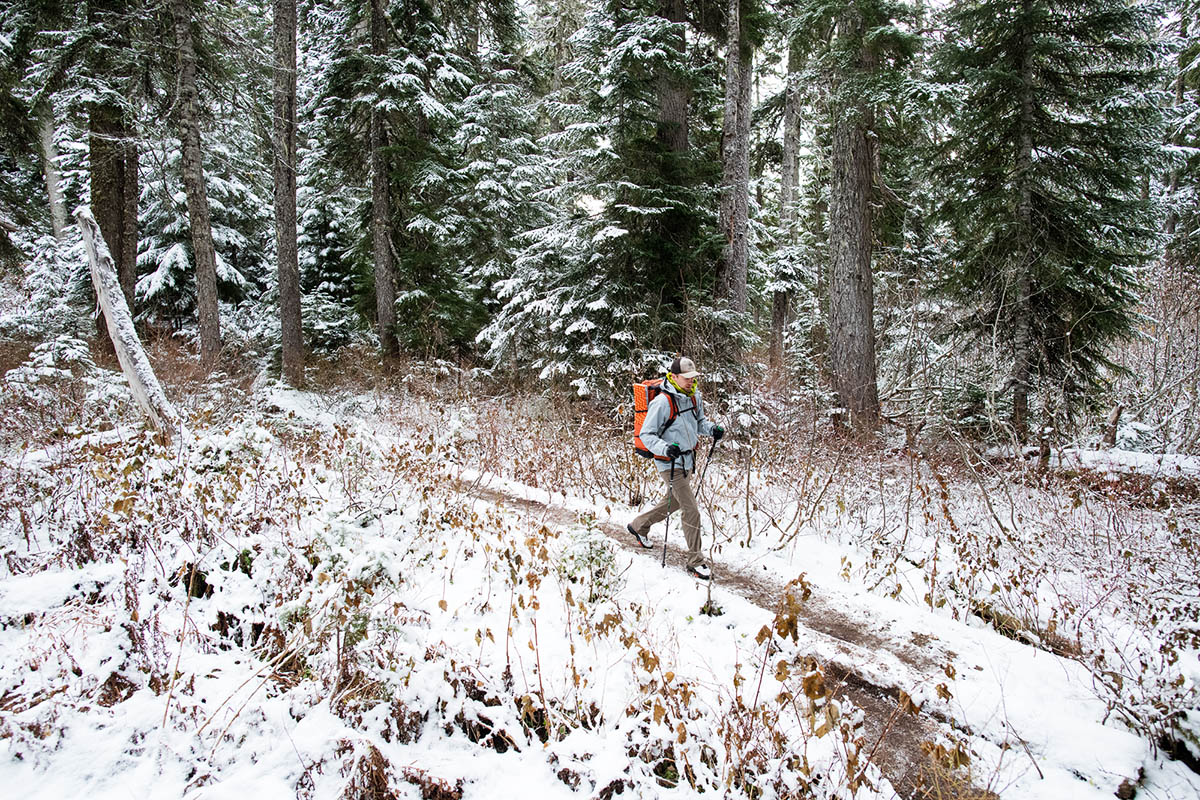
[(319, 326)]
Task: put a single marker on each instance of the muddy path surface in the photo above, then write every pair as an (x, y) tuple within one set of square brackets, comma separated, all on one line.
[(894, 739)]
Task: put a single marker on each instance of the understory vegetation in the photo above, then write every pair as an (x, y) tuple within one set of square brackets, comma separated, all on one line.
[(344, 547)]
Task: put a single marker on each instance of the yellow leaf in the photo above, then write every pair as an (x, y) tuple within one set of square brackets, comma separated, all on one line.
[(442, 605), (659, 711)]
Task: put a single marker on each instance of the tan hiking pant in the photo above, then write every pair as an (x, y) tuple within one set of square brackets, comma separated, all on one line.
[(680, 497)]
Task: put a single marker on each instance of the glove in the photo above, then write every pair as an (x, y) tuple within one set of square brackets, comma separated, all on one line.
[(718, 433), (673, 451)]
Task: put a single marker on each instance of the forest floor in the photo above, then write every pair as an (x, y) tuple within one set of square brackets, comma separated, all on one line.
[(416, 590), (899, 734)]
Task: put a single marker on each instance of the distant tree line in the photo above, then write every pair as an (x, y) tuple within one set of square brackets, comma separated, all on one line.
[(954, 213)]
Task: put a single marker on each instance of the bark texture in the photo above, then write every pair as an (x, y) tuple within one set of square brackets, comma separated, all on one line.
[(674, 94), (735, 164), (1172, 219), (781, 300), (851, 292), (676, 227), (112, 158), (112, 178), (285, 192), (1023, 343), (381, 209), (193, 184), (127, 263), (51, 174)]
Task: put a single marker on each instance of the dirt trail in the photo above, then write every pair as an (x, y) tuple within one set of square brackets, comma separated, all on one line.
[(899, 753)]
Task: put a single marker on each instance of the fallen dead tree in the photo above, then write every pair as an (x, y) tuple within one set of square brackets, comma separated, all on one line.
[(142, 381)]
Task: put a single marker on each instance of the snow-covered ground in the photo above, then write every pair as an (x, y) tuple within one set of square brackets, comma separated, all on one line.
[(388, 601)]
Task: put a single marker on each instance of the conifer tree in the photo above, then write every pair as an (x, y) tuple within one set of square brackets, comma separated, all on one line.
[(21, 200), (414, 82), (335, 281), (1057, 123), (233, 81), (604, 292), (192, 162), (166, 288), (868, 49), (113, 147), (735, 157), (73, 61), (1182, 185), (284, 169)]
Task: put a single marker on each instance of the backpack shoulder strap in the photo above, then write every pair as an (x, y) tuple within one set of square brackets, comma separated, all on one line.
[(673, 415)]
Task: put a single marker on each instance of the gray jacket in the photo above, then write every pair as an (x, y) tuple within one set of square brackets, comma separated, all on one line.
[(684, 431)]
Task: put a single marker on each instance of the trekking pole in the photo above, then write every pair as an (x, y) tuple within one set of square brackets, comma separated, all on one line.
[(704, 472), (670, 493)]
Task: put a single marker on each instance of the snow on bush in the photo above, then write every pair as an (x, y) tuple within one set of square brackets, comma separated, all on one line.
[(322, 603), (60, 388)]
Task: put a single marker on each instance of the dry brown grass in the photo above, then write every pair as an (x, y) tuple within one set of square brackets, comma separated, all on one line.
[(14, 353)]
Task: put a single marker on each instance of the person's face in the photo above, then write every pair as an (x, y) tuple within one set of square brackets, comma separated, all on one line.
[(685, 383)]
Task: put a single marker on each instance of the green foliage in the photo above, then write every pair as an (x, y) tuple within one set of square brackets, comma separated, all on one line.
[(1074, 84), (608, 289), (462, 160), (240, 225), (1181, 193), (588, 558)]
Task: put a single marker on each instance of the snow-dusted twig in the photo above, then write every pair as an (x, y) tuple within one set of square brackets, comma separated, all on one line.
[(182, 643)]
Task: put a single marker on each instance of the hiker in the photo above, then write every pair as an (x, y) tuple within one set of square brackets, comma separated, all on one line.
[(670, 432)]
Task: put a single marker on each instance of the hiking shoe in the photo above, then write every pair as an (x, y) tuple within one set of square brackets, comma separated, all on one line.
[(641, 539), (700, 571)]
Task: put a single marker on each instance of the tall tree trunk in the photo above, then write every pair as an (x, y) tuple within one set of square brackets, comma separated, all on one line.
[(852, 296), (1023, 344), (735, 164), (131, 193), (110, 176), (112, 160), (1172, 219), (193, 185), (53, 179), (285, 192), (381, 213), (677, 227), (781, 300), (674, 93)]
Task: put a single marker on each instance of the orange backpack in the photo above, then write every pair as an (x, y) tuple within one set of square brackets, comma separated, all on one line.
[(643, 393)]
